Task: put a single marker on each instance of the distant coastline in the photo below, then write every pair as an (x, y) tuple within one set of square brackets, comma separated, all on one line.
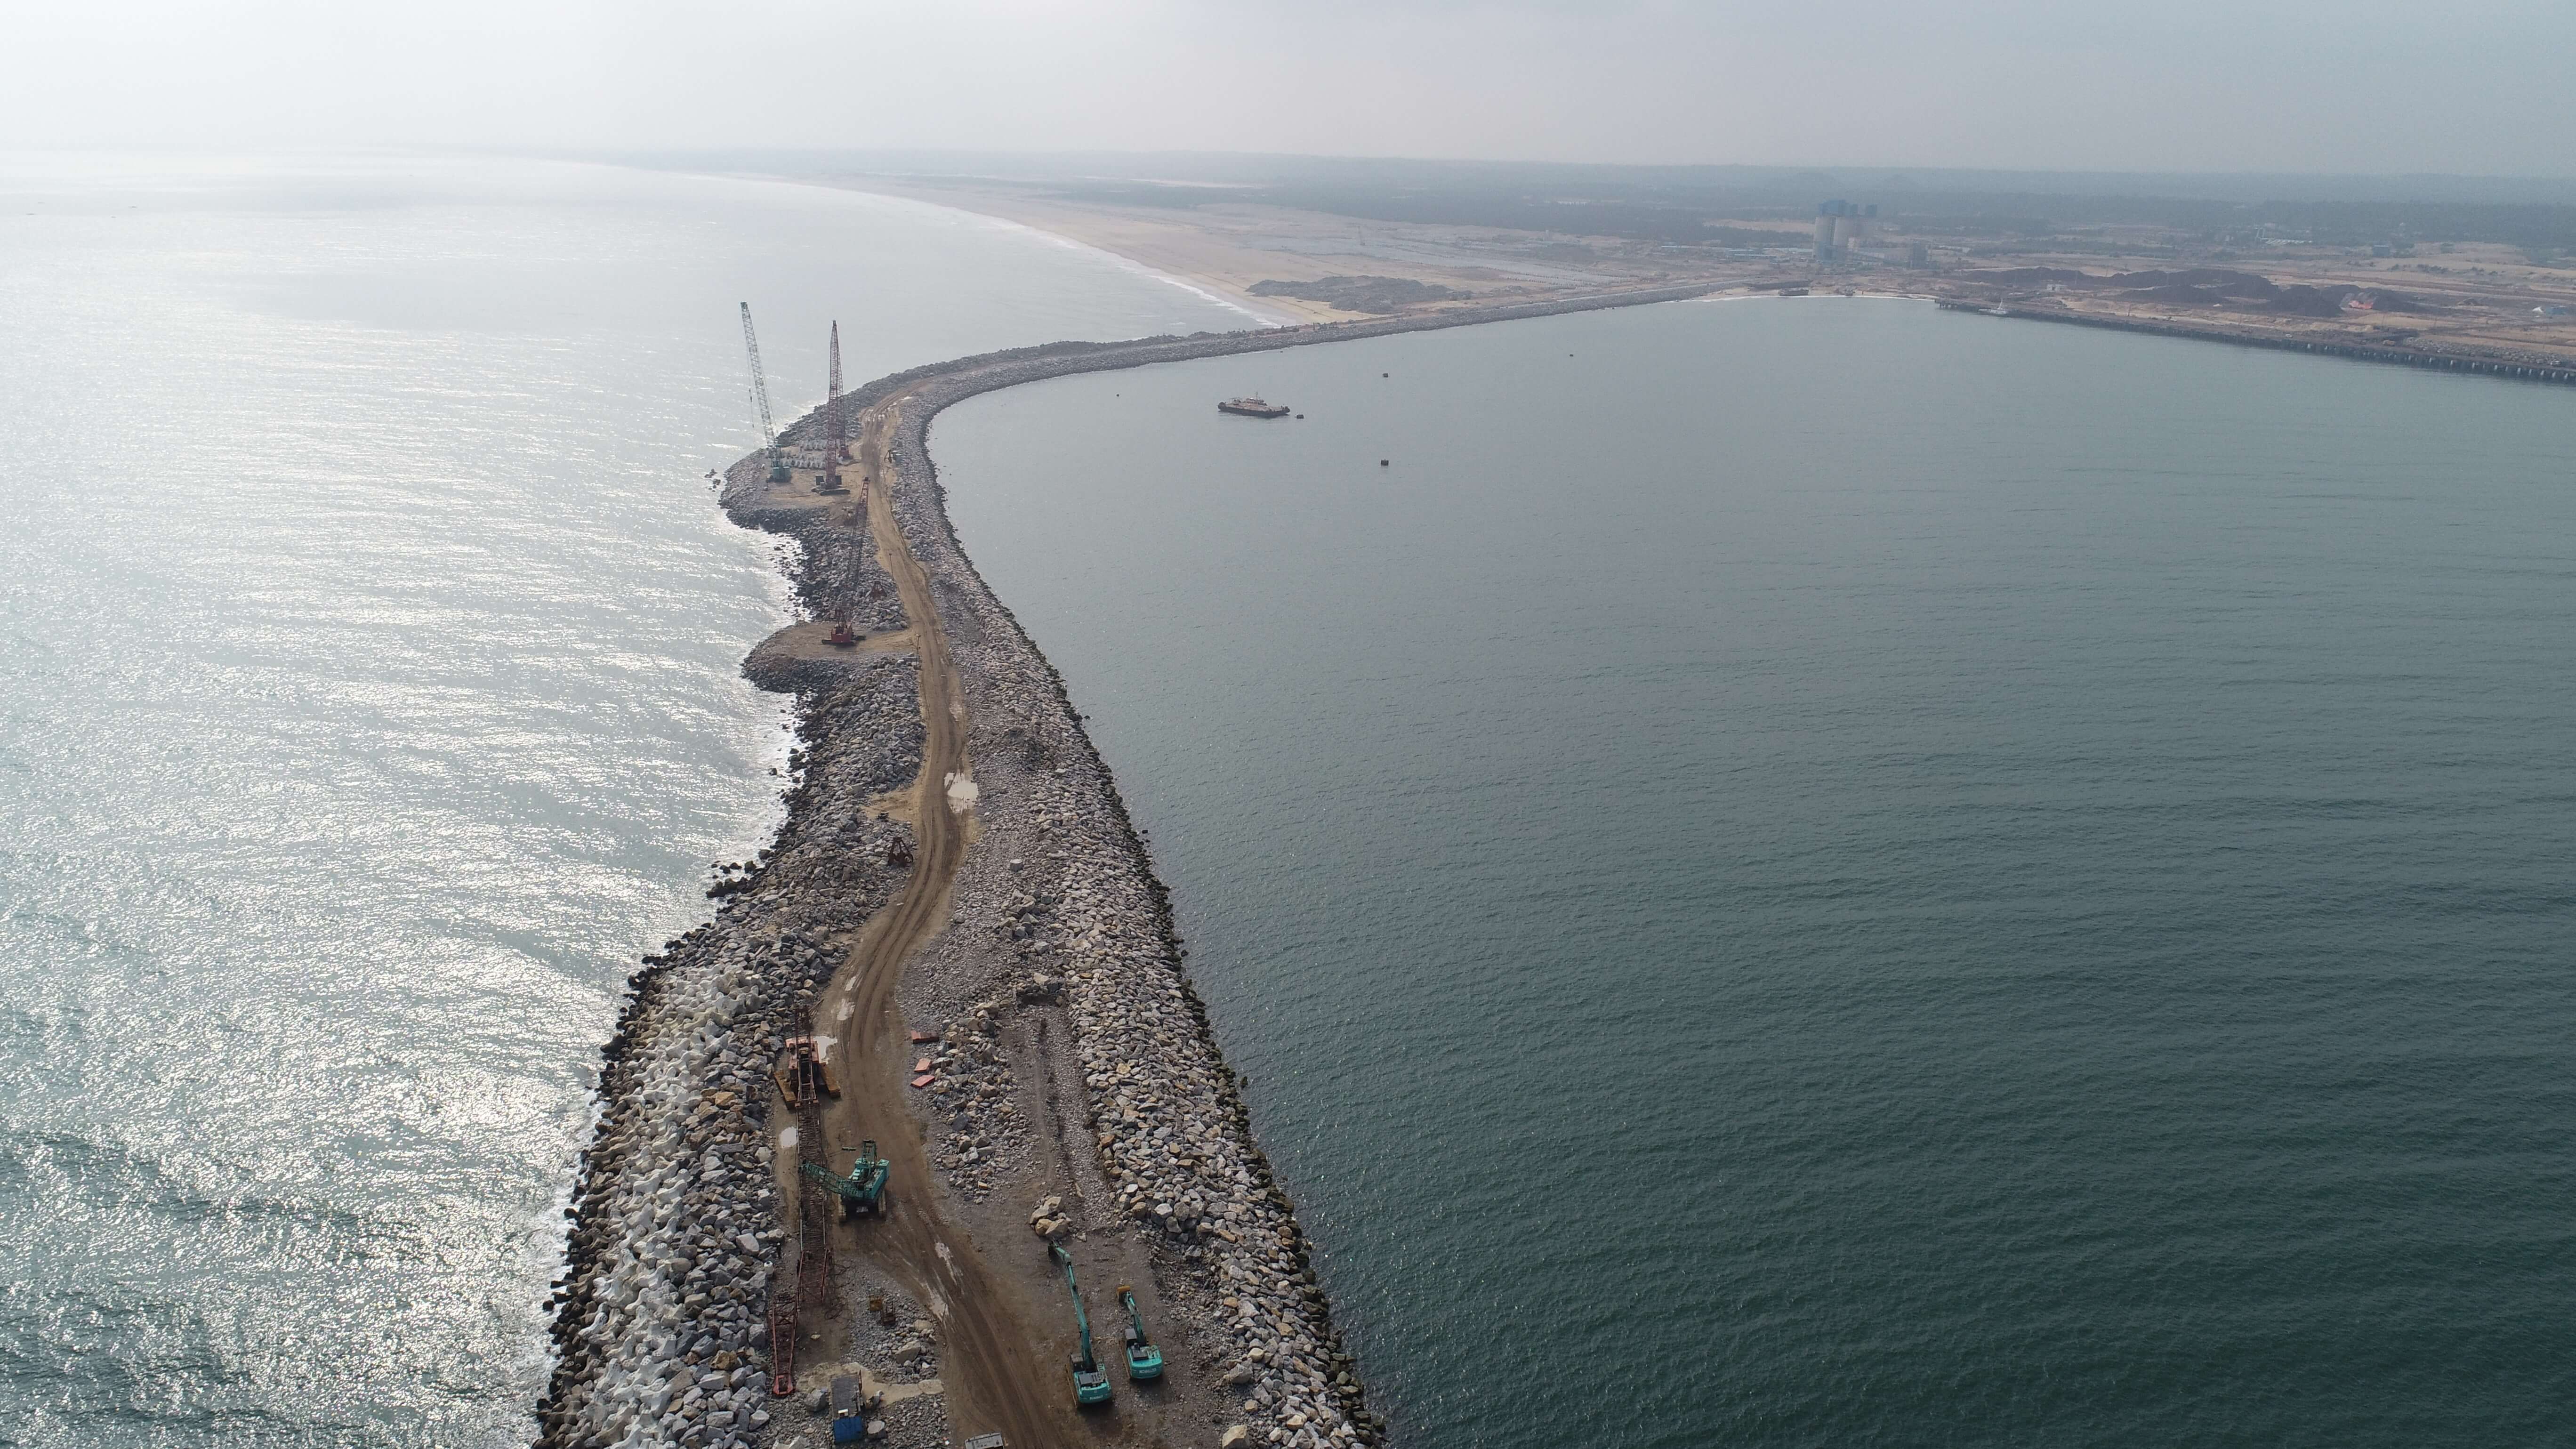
[(2282, 342), (2470, 313)]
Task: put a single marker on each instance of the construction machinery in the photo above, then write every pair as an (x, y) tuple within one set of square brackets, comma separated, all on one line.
[(785, 1295), (844, 637), (804, 1283), (863, 1191), (836, 443), (802, 1074), (851, 1406), (1090, 1385), (1144, 1361), (760, 394)]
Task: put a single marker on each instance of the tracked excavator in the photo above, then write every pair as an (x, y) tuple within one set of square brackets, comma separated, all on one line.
[(1144, 1361), (1090, 1385), (863, 1191)]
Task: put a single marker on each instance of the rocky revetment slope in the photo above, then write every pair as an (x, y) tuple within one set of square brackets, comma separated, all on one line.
[(1070, 1089)]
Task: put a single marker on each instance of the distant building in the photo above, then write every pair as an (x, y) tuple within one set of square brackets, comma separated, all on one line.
[(1841, 228)]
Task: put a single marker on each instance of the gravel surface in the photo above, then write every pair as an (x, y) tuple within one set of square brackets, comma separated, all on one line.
[(1075, 1093)]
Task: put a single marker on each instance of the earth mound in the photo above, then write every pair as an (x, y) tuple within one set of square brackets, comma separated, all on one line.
[(1379, 295)]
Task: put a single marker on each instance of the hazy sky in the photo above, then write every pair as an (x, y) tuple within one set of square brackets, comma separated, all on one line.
[(2475, 86)]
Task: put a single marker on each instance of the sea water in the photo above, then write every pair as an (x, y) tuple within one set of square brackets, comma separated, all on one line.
[(1827, 873), (368, 703)]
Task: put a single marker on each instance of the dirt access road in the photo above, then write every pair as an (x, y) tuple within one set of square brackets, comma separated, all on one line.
[(997, 1373)]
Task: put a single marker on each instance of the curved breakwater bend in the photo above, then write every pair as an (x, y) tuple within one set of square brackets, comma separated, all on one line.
[(1135, 1148)]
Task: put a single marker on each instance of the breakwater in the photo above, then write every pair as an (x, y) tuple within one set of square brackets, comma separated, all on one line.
[(2358, 352), (1074, 1092)]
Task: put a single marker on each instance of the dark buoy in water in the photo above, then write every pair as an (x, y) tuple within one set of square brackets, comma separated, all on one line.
[(1381, 374), (1381, 462)]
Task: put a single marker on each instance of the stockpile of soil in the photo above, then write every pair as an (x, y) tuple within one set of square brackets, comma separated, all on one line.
[(2203, 287), (1378, 295)]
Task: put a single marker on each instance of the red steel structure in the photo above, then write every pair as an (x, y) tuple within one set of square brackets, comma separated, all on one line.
[(803, 1081)]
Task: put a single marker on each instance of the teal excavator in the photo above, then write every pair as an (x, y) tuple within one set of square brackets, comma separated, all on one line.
[(1144, 1361), (1090, 1385), (863, 1191)]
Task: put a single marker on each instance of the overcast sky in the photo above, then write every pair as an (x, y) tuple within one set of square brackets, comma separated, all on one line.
[(2470, 86)]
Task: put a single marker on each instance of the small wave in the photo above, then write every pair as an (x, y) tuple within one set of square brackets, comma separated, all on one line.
[(1137, 268)]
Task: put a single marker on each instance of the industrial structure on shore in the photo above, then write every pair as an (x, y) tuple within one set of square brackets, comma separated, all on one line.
[(1842, 228)]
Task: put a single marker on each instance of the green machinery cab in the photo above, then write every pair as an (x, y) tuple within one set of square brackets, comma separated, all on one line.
[(1144, 1361), (863, 1191), (1090, 1385)]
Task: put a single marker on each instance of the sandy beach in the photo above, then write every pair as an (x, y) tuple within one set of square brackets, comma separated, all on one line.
[(1230, 250), (2473, 302)]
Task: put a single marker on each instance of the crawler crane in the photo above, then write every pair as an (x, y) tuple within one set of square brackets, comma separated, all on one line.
[(760, 394)]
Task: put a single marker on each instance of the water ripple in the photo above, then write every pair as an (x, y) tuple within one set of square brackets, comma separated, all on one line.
[(368, 701)]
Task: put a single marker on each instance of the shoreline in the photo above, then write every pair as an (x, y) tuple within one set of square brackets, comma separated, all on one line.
[(1264, 311), (2465, 322), (2278, 342), (1136, 1149), (1227, 254)]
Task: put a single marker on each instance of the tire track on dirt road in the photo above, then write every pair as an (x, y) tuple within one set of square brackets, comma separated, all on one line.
[(994, 1365)]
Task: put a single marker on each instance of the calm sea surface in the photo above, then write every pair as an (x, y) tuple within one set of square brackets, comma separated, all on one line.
[(367, 703), (1825, 873)]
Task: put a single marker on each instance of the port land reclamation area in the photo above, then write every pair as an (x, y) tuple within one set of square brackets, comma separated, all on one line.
[(1066, 1086), (2493, 300)]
